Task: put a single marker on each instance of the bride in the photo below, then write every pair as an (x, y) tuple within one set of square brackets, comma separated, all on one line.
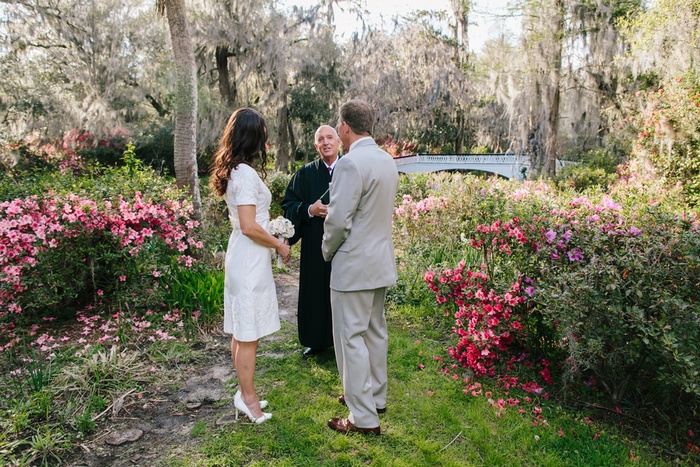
[(250, 298)]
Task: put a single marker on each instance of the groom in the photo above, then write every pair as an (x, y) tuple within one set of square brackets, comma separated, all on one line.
[(358, 242)]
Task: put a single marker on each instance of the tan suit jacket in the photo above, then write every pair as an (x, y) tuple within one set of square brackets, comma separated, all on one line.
[(358, 227)]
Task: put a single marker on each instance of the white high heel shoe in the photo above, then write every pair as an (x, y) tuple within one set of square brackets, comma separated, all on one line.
[(263, 403), (239, 404)]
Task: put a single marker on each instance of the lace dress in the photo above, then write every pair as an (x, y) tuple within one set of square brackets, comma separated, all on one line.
[(250, 297)]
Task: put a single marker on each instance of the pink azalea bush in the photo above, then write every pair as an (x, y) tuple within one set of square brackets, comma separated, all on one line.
[(486, 322), (601, 287), (66, 250), (396, 148), (413, 209), (75, 153), (421, 236)]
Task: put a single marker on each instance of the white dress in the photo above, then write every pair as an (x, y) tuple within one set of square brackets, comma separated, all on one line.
[(250, 297)]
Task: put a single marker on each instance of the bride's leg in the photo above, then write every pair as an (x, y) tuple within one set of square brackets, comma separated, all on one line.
[(244, 354)]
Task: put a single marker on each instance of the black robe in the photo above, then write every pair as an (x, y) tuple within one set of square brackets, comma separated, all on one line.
[(314, 306)]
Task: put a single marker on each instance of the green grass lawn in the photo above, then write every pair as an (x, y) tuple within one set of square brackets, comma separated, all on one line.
[(429, 421)]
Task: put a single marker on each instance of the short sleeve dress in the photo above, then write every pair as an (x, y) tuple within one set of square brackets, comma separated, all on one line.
[(250, 297)]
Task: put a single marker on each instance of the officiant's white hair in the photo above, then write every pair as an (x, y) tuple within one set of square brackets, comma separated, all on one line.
[(321, 128)]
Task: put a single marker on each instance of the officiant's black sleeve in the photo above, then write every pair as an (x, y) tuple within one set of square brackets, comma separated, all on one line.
[(295, 208)]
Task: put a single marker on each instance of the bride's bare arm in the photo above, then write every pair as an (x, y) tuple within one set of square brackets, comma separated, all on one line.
[(255, 232)]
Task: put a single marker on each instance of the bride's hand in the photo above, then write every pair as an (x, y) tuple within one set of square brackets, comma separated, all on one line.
[(283, 250)]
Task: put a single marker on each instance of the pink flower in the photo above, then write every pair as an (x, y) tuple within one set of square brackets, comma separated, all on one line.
[(575, 255), (550, 236)]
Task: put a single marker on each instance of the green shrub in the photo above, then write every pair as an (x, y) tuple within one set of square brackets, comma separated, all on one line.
[(107, 150), (216, 226), (667, 127), (479, 150), (19, 157), (277, 183), (197, 293), (627, 312), (156, 149), (596, 168), (580, 178), (101, 183)]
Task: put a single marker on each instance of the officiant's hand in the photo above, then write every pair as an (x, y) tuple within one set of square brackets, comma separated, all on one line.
[(318, 209)]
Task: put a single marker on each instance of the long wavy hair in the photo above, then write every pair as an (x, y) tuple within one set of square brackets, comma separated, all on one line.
[(243, 141)]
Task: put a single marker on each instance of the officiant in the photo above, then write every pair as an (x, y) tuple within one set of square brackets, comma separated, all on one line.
[(305, 204)]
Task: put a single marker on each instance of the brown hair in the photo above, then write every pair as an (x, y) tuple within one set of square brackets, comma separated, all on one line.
[(359, 116), (243, 141)]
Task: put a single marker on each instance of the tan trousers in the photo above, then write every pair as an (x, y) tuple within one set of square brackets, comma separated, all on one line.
[(361, 342)]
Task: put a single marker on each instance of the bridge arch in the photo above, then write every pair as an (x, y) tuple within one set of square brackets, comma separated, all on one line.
[(506, 165)]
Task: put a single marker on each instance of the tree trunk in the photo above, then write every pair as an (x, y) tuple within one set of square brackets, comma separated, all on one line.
[(283, 156), (459, 137), (228, 90), (550, 160), (185, 102), (461, 10), (292, 141)]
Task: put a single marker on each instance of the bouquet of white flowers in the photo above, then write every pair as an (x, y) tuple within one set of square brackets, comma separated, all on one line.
[(281, 228)]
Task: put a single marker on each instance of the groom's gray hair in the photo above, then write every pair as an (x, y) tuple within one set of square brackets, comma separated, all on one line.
[(359, 115)]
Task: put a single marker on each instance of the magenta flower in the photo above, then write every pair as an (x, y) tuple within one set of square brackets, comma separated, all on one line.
[(550, 236), (634, 231), (575, 255)]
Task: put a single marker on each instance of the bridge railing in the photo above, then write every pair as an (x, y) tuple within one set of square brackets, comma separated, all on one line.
[(507, 159)]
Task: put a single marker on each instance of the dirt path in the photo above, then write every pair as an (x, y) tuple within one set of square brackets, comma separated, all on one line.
[(161, 417)]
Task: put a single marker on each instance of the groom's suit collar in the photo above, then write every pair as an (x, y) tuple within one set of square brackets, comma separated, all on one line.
[(364, 141)]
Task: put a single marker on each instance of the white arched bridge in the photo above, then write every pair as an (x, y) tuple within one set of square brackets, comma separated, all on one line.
[(506, 165)]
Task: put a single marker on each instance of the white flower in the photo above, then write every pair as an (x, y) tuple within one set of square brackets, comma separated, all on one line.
[(281, 227)]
